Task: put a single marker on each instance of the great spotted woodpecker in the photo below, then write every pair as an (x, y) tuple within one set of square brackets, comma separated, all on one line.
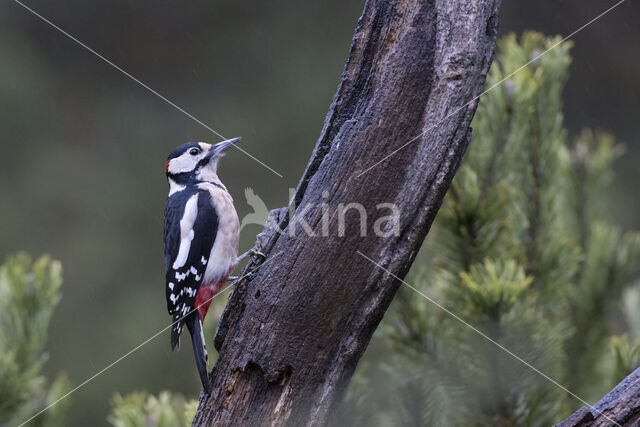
[(201, 231)]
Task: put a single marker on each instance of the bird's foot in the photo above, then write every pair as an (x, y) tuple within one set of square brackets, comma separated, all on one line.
[(252, 251), (257, 253)]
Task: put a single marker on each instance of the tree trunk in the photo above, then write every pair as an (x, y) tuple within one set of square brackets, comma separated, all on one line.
[(292, 334), (620, 407)]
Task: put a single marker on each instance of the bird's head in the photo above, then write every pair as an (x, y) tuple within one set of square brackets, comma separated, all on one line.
[(196, 161)]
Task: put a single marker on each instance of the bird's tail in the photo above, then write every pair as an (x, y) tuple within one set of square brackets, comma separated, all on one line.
[(199, 349), (176, 330)]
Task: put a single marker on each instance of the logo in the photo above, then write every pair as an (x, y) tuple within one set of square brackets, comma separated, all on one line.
[(386, 215), (260, 211)]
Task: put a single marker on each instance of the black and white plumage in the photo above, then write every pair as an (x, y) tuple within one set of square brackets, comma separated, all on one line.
[(191, 225), (200, 239)]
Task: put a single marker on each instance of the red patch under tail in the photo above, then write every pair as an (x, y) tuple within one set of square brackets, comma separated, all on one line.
[(204, 296)]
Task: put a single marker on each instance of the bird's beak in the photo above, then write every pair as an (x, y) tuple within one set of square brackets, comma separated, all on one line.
[(223, 146)]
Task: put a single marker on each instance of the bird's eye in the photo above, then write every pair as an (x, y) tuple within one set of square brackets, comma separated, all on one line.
[(194, 151)]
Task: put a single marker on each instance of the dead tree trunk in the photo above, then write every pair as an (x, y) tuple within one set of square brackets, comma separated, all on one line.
[(291, 336), (621, 406)]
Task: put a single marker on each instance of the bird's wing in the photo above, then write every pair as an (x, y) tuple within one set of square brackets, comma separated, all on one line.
[(190, 229)]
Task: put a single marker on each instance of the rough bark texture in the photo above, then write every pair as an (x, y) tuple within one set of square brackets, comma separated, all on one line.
[(291, 335), (620, 407)]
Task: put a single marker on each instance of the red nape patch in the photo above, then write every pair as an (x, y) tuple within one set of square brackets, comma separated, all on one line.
[(166, 167)]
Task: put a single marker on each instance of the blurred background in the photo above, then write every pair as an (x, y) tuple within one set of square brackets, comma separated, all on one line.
[(83, 147)]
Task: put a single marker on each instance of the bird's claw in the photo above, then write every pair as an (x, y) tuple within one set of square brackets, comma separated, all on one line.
[(255, 252), (252, 251)]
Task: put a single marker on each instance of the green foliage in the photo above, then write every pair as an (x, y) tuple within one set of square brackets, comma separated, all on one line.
[(141, 409), (525, 264), (631, 302), (29, 292), (626, 354), (626, 347)]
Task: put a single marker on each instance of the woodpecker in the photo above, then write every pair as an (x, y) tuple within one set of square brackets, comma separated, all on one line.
[(201, 231)]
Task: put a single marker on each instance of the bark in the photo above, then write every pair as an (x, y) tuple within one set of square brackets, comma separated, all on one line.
[(621, 406), (292, 334)]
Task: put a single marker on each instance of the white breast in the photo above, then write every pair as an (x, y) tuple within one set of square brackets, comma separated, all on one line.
[(224, 254)]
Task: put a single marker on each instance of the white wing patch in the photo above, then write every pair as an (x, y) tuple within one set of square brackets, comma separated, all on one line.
[(186, 231)]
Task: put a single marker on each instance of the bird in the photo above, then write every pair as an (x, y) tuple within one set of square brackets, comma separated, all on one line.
[(201, 234)]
